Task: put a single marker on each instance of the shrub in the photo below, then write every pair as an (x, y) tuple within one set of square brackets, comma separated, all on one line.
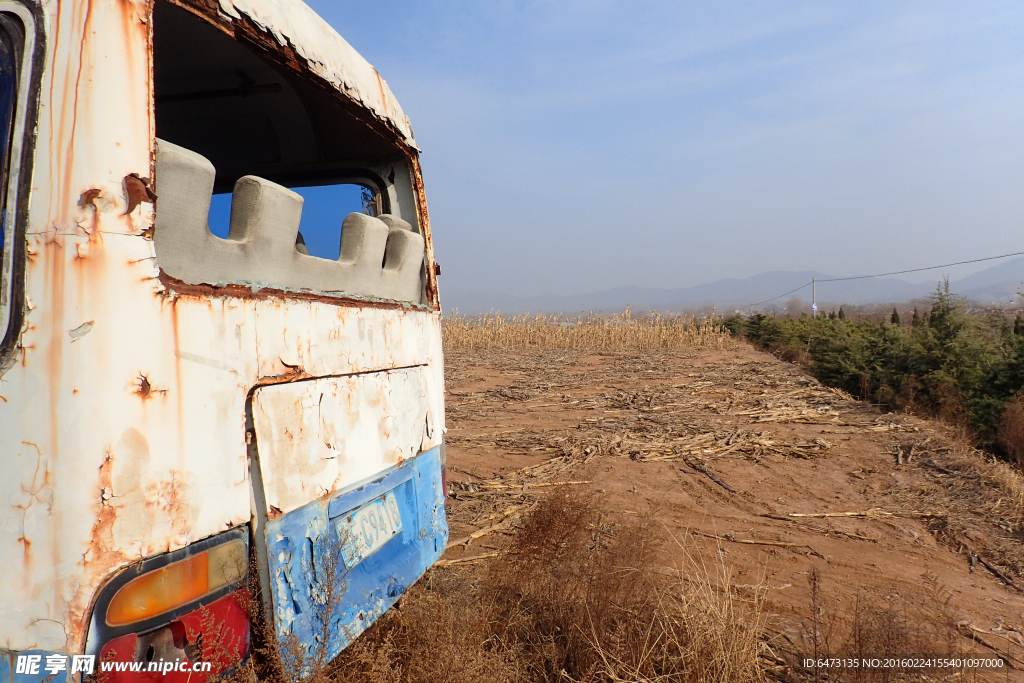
[(1011, 430), (961, 366)]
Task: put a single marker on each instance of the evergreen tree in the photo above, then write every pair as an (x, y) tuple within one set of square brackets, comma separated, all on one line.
[(948, 315), (954, 361)]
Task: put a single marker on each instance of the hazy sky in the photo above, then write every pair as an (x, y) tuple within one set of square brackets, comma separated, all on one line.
[(576, 146)]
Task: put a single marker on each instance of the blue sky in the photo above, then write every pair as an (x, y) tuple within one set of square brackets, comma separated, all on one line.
[(320, 225), (578, 146)]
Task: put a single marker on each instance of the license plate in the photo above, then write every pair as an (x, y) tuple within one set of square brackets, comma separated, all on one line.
[(366, 529)]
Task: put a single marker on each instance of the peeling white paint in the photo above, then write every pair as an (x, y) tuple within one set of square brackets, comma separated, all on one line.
[(127, 438), (324, 435)]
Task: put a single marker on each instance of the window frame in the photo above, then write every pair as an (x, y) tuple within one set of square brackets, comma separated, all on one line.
[(19, 163)]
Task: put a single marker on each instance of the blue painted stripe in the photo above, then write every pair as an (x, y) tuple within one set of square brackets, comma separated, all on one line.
[(300, 546)]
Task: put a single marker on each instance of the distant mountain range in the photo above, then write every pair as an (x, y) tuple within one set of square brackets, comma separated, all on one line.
[(998, 285)]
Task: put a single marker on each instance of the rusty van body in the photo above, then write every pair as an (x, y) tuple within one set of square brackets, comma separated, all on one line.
[(191, 425)]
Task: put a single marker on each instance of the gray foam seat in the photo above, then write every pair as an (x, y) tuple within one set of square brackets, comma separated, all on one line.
[(380, 257)]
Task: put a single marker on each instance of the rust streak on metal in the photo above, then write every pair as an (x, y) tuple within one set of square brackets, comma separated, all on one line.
[(248, 32), (88, 198), (208, 10), (39, 450), (53, 264), (103, 551), (137, 190), (424, 220), (177, 288), (78, 89), (176, 327), (151, 80), (144, 387), (380, 86)]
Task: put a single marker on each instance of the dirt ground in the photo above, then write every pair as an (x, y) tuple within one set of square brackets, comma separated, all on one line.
[(721, 448)]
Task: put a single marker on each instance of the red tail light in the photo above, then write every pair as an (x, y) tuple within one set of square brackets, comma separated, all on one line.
[(217, 634)]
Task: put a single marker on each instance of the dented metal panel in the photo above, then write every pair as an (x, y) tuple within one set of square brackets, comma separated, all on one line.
[(323, 435), (122, 418), (145, 451), (313, 592)]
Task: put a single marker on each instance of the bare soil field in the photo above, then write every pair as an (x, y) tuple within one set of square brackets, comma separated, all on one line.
[(829, 517)]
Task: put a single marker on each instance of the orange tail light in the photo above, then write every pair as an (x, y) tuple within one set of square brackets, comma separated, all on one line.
[(178, 584)]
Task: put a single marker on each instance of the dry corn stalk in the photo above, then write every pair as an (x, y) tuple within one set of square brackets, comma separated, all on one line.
[(873, 512), (592, 332)]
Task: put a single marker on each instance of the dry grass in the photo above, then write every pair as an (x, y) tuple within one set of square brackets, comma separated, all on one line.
[(1011, 431), (574, 595), (574, 598), (593, 332), (642, 407), (983, 499), (629, 417), (700, 409), (907, 621), (292, 661), (1006, 479)]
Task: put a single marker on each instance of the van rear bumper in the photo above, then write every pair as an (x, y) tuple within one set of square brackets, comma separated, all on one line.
[(312, 586)]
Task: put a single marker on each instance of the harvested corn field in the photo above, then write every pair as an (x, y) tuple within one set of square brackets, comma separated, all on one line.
[(592, 332), (750, 464), (741, 498)]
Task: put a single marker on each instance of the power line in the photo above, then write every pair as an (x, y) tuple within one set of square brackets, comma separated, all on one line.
[(895, 272), (918, 270), (806, 284)]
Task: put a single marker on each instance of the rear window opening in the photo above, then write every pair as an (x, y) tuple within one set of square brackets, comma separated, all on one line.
[(250, 116), (242, 123), (323, 210)]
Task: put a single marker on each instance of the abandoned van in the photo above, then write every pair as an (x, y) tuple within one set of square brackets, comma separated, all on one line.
[(221, 386)]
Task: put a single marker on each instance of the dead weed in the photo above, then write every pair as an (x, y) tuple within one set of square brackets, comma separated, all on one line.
[(904, 623), (575, 597)]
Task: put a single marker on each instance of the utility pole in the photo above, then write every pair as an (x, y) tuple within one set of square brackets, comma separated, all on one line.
[(814, 298)]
